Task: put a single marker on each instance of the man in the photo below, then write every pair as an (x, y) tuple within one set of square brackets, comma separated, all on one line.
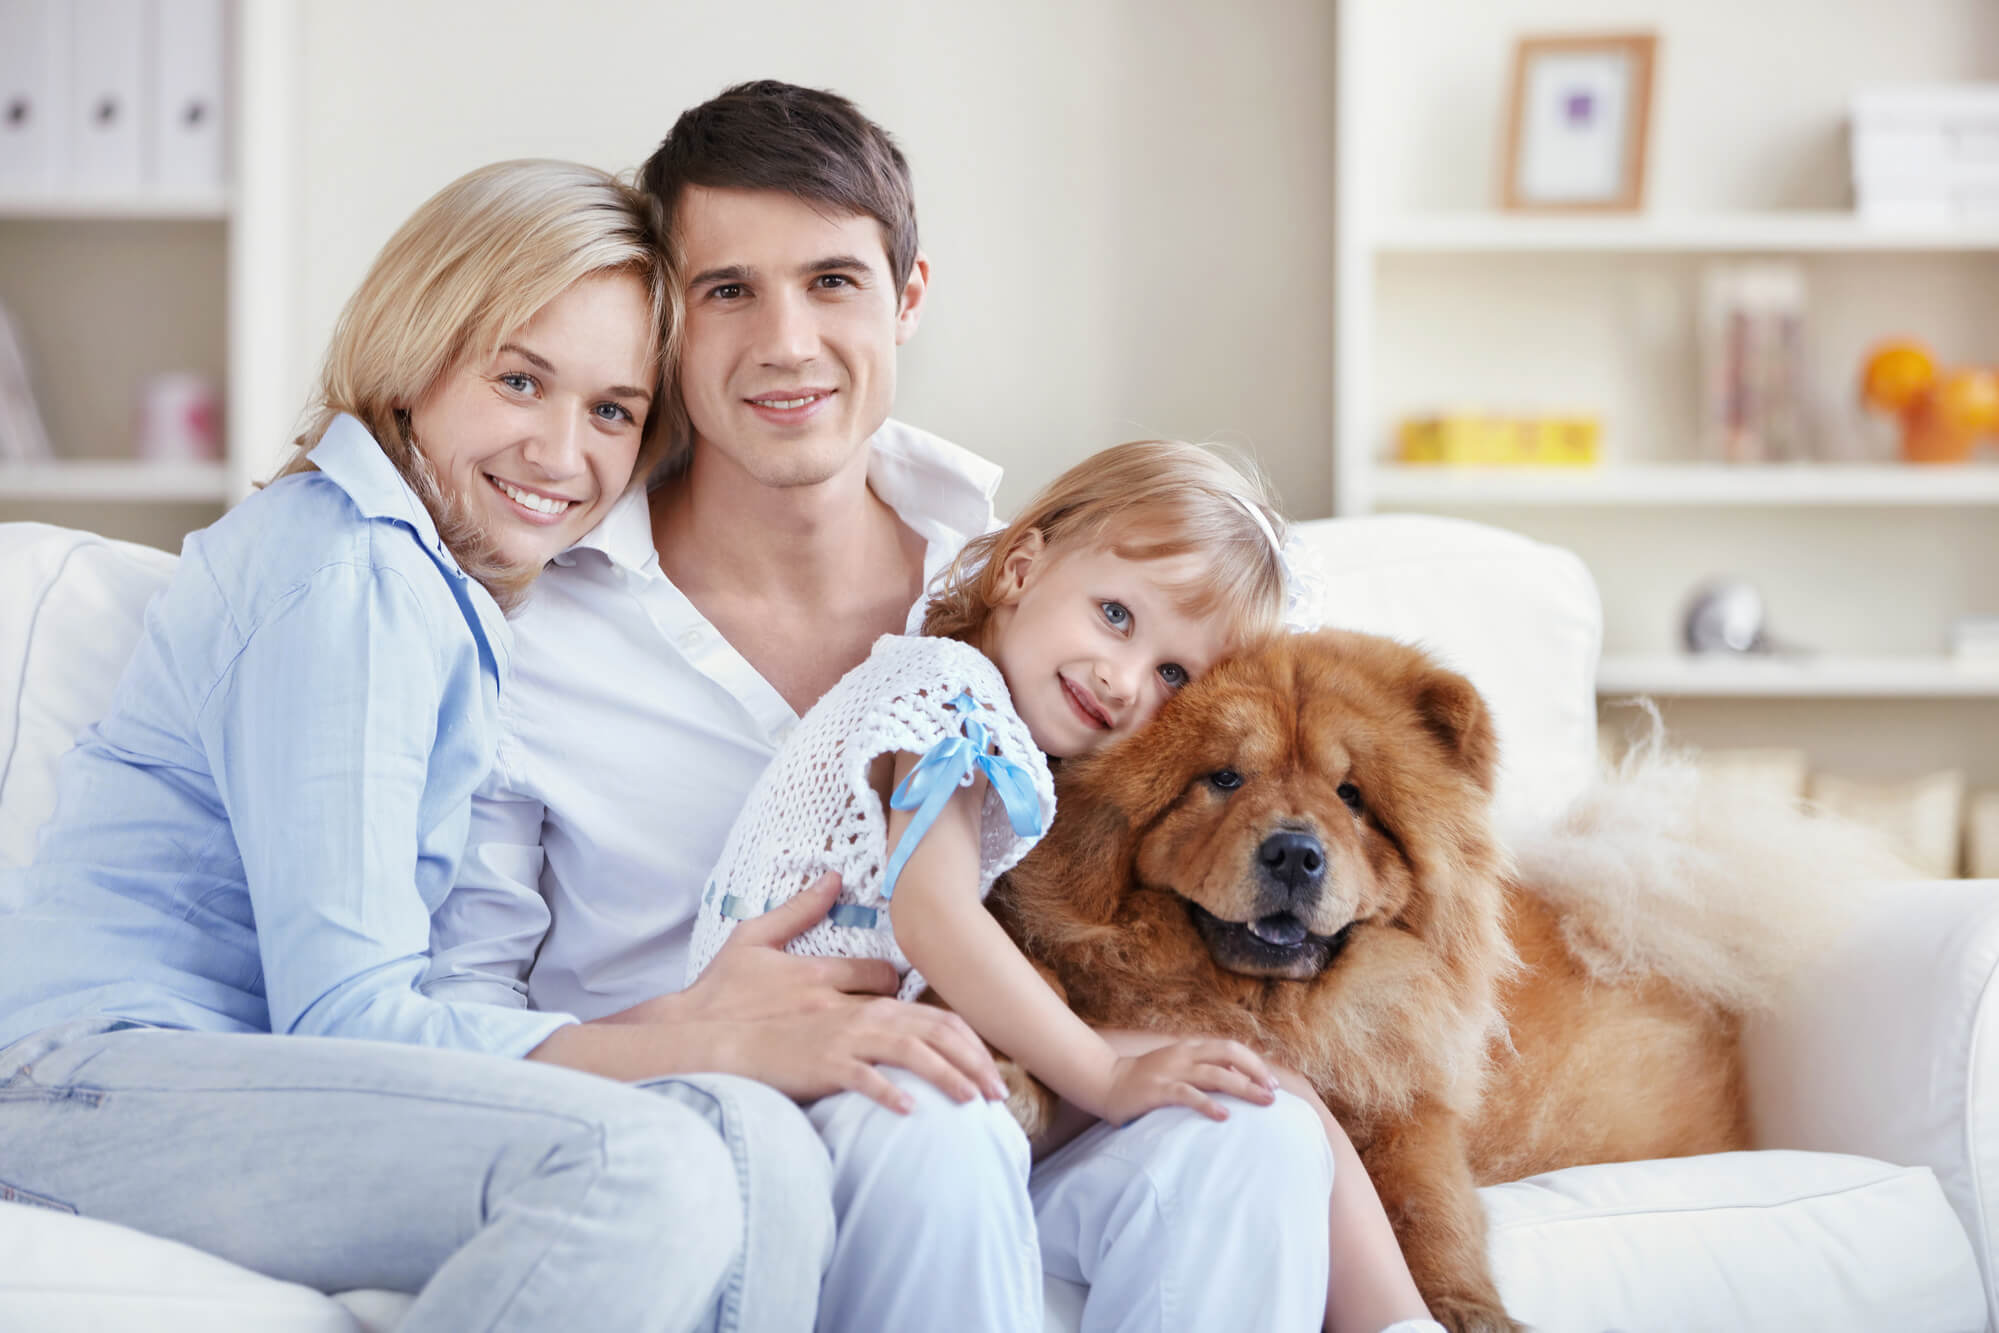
[(658, 666)]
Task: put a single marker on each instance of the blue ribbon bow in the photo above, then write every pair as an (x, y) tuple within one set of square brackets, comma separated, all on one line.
[(950, 765)]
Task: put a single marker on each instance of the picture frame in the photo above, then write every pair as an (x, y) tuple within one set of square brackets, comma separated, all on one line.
[(1578, 122)]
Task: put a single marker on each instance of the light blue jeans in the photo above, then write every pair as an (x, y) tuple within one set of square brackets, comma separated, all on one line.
[(510, 1194), (1176, 1223)]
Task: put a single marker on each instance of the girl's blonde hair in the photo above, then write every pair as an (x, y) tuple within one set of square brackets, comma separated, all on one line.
[(469, 268), (1150, 499)]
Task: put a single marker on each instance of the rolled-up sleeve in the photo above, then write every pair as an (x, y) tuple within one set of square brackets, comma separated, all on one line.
[(322, 733)]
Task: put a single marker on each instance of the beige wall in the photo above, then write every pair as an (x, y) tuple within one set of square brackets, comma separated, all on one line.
[(1127, 203)]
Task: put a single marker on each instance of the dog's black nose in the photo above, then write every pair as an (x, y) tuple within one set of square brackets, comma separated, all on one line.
[(1293, 859)]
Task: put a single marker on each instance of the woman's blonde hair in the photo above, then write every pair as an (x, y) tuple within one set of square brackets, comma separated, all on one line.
[(469, 268), (1150, 499)]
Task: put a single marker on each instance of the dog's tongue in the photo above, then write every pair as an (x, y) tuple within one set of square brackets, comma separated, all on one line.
[(1279, 928)]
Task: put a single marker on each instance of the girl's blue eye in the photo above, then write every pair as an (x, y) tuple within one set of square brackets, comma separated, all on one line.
[(617, 412), (1116, 615), (1174, 675), (518, 381)]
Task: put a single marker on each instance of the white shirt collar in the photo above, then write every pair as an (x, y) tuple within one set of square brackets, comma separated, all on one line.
[(939, 489)]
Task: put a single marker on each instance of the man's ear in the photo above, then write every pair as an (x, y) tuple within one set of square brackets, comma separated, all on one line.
[(909, 306), (1018, 564)]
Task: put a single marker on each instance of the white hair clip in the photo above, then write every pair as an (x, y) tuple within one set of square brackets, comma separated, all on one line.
[(1304, 584), (1262, 520)]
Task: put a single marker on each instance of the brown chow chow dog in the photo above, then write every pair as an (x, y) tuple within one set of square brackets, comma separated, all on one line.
[(1297, 854)]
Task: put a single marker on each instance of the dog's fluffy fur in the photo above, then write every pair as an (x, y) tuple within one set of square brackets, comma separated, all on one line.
[(1298, 853)]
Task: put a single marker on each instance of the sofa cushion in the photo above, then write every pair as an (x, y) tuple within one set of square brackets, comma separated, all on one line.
[(68, 1274), (71, 605), (1761, 1240), (1519, 618)]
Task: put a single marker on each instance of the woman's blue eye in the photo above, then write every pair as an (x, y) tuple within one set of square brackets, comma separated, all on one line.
[(1115, 614), (1174, 675), (617, 411), (518, 381)]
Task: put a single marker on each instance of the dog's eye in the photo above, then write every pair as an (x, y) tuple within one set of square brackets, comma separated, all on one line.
[(1351, 795), (1226, 779)]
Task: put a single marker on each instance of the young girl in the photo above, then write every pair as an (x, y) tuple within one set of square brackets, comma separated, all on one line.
[(924, 775), (246, 851)]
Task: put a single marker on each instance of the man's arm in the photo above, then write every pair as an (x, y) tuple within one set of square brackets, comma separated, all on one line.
[(809, 1027), (486, 932)]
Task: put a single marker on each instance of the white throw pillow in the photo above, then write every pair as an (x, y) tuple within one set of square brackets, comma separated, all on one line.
[(1519, 618), (71, 607)]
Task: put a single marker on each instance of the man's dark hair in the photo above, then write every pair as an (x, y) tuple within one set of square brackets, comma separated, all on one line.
[(805, 142)]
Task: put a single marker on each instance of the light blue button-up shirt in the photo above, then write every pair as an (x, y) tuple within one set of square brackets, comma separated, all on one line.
[(255, 837)]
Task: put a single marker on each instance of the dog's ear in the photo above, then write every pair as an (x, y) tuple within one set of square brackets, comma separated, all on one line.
[(1455, 714)]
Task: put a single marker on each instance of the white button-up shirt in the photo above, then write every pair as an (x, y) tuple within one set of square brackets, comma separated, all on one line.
[(631, 734)]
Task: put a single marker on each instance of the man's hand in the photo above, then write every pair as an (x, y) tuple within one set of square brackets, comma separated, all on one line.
[(810, 1027)]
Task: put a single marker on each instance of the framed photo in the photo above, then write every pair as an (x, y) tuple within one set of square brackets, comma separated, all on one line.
[(1576, 129)]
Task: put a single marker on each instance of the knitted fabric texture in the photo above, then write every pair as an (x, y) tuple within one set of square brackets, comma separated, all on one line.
[(814, 810)]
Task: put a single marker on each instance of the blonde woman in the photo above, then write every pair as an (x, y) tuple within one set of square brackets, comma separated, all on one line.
[(209, 1003)]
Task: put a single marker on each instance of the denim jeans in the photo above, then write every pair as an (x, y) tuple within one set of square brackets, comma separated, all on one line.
[(509, 1194)]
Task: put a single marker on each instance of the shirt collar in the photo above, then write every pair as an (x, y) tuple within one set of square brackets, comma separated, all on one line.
[(350, 457), (932, 483), (937, 488)]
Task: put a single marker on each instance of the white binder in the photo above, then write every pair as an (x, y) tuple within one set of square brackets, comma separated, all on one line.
[(187, 122), (34, 63), (108, 102)]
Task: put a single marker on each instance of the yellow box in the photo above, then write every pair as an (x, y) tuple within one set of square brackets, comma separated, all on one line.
[(1465, 440)]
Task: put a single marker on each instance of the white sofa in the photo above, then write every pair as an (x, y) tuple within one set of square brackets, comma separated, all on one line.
[(1873, 1203)]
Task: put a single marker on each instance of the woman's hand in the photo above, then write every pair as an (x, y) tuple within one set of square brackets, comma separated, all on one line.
[(1183, 1073), (810, 1027)]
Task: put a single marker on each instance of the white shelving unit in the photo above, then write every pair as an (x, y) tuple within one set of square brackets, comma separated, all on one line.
[(117, 481), (1686, 676), (1688, 484), (1788, 232), (253, 303), (1444, 303)]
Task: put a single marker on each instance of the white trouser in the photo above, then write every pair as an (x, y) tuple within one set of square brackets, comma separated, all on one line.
[(1175, 1222)]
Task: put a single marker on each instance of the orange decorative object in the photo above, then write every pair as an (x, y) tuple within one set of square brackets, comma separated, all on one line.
[(1897, 373), (1929, 436), (1967, 400)]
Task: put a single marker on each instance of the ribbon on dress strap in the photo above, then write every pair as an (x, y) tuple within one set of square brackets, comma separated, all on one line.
[(950, 765)]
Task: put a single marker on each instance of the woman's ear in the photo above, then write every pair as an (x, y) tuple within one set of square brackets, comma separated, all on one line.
[(1018, 565)]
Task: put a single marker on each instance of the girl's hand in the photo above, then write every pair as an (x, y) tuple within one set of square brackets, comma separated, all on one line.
[(1183, 1073)]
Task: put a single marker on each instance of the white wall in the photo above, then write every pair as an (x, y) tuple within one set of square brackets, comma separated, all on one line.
[(1127, 204)]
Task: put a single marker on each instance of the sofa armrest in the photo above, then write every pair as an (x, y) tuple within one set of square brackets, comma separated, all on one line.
[(1889, 1048)]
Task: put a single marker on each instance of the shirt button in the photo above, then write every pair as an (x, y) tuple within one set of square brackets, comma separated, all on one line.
[(690, 639)]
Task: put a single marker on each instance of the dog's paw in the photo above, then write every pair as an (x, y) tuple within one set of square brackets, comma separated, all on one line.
[(1030, 1102), (1469, 1314)]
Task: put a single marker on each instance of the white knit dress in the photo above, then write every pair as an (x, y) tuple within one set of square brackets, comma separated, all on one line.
[(814, 810)]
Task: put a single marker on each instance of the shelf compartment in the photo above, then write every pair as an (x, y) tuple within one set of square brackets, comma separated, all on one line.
[(1670, 484), (1683, 675), (115, 480)]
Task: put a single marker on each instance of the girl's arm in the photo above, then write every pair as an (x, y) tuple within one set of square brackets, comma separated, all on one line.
[(968, 959)]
